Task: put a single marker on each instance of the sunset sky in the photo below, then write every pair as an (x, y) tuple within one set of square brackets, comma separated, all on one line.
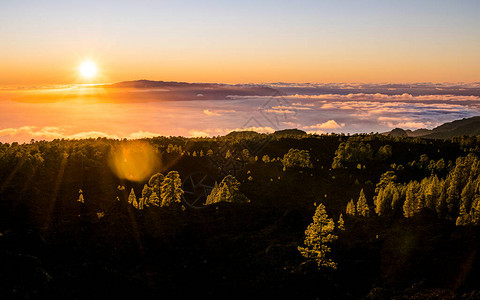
[(43, 42), (322, 65)]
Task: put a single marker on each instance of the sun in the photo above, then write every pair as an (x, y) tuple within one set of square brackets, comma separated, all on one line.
[(88, 69)]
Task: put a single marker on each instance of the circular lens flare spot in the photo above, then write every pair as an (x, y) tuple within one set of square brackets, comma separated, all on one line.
[(134, 161)]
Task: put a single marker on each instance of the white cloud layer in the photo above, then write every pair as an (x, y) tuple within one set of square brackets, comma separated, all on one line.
[(50, 133), (330, 124), (353, 112)]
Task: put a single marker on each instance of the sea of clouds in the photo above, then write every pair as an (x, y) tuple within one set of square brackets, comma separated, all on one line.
[(349, 109)]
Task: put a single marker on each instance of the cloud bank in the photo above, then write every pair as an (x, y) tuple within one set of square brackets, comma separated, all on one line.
[(342, 112)]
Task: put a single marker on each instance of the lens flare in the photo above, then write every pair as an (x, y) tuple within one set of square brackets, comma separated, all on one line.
[(134, 161)]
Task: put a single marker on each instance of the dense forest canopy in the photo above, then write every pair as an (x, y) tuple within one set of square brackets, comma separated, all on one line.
[(169, 215)]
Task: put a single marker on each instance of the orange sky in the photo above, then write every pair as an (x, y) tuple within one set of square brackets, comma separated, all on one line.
[(244, 42)]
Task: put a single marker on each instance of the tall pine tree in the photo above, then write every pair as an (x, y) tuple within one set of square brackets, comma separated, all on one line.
[(230, 190), (410, 205), (362, 205), (153, 200), (351, 208), (214, 195), (341, 223), (132, 199), (318, 237), (171, 190)]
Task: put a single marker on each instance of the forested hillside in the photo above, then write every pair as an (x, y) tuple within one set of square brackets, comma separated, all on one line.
[(244, 215), (457, 128)]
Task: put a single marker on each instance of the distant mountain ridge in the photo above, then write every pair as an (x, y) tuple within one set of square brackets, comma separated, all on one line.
[(172, 90), (143, 83), (284, 133), (467, 126)]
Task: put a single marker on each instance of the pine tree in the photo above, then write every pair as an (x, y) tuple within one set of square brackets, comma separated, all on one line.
[(466, 168), (225, 194), (410, 204), (468, 194), (141, 203), (379, 201), (296, 158), (423, 161), (397, 198), (81, 199), (214, 195), (352, 152), (246, 154), (385, 179), (467, 204), (351, 209), (420, 201), (171, 188), (155, 182), (341, 223), (231, 184), (318, 236), (440, 165), (146, 192), (153, 200), (362, 205), (432, 192), (132, 199), (384, 152), (475, 211), (385, 198), (227, 191), (441, 205)]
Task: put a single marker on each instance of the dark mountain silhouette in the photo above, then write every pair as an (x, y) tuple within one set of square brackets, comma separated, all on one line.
[(417, 132), (171, 90), (470, 127), (279, 134), (289, 132), (243, 134), (467, 126), (398, 132)]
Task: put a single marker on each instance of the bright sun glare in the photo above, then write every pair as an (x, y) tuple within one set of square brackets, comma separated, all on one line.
[(88, 69)]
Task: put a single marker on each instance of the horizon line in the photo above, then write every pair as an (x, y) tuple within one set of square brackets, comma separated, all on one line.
[(70, 85)]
